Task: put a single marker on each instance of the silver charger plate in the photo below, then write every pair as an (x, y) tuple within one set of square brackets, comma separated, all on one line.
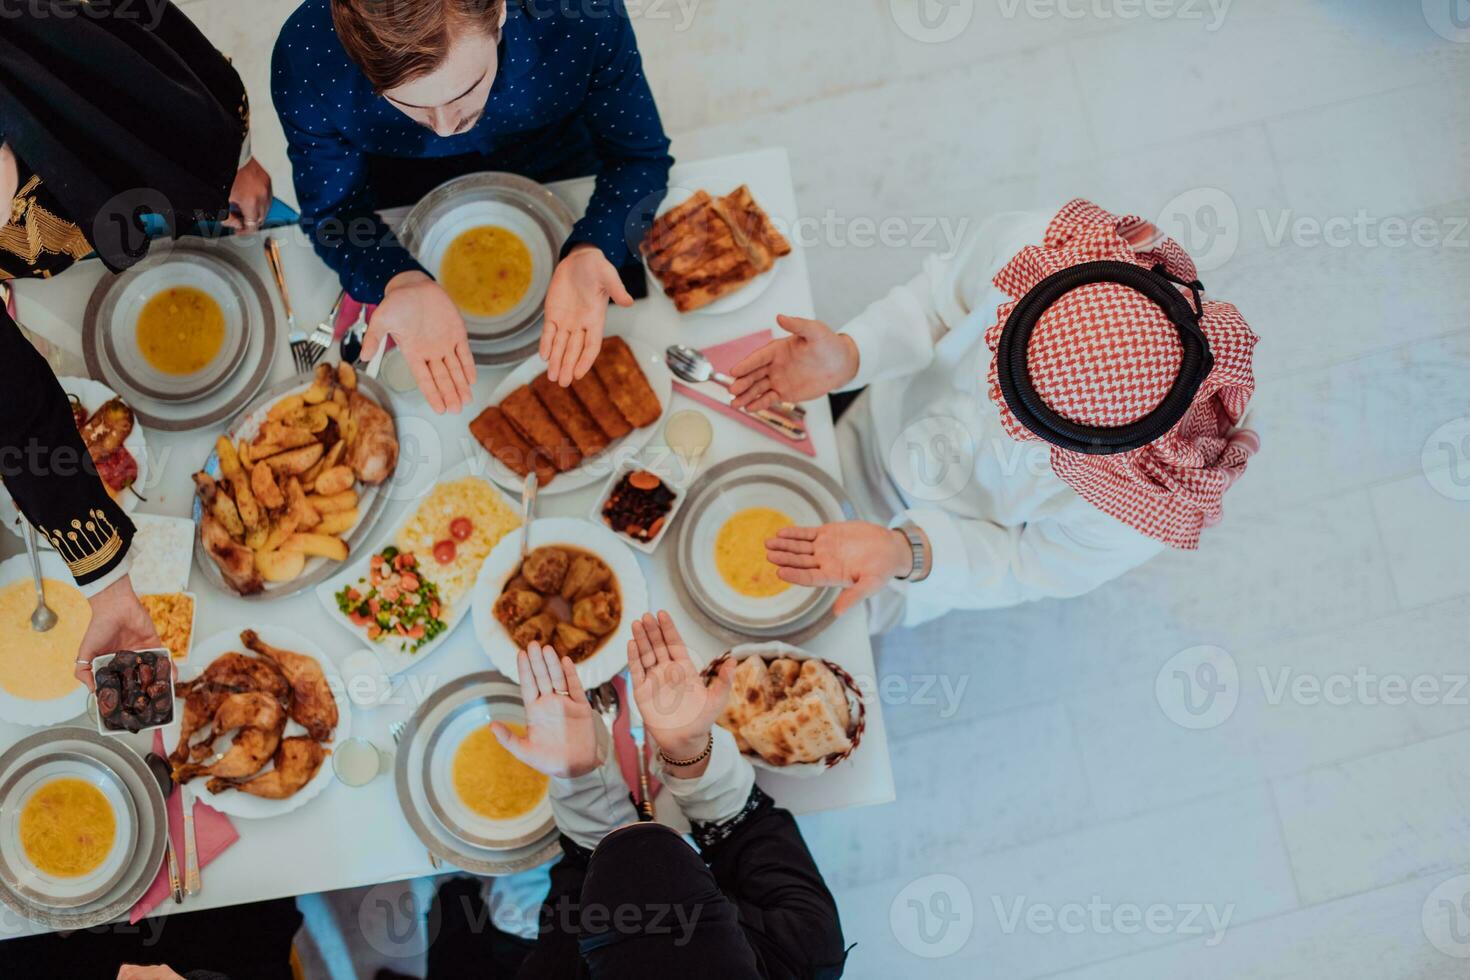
[(152, 826), (408, 773), (225, 396), (11, 878), (370, 504), (531, 211), (822, 496)]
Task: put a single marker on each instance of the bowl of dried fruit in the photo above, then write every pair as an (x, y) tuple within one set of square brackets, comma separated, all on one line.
[(641, 498)]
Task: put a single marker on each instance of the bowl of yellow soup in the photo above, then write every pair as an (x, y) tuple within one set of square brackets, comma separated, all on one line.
[(178, 332), (720, 546), (38, 683), (479, 792), (67, 829)]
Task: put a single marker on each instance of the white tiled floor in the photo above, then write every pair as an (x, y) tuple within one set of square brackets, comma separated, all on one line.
[(1056, 784)]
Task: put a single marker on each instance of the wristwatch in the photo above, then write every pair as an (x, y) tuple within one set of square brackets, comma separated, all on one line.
[(920, 570)]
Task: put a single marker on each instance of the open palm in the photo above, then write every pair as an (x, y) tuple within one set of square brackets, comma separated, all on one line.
[(561, 728), (678, 707)]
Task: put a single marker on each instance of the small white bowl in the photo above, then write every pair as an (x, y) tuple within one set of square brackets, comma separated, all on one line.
[(173, 677), (664, 463)]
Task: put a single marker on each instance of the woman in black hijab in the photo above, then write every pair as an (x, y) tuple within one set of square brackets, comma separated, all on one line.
[(105, 117)]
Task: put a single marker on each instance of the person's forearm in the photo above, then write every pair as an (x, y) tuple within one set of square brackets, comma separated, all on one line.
[(589, 807), (627, 196), (714, 789), (46, 467)]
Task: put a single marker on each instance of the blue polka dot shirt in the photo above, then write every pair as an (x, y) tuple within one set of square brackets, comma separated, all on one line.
[(569, 99)]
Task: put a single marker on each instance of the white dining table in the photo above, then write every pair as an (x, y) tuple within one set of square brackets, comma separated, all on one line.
[(348, 837)]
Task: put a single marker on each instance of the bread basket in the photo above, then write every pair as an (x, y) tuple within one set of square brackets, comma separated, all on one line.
[(776, 650)]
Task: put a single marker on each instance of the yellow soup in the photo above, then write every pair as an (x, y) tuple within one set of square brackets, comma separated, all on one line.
[(181, 330), (486, 271), (491, 781), (38, 666), (740, 552), (67, 828)]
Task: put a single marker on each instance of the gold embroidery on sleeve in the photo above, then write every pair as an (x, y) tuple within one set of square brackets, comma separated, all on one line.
[(87, 545), (33, 230)]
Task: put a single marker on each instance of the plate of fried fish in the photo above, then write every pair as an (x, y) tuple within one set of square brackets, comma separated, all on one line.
[(258, 721), (573, 437)]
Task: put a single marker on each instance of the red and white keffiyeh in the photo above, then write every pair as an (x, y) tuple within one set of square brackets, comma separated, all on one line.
[(1105, 355)]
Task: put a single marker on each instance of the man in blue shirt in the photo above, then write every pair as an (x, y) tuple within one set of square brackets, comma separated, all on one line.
[(383, 100)]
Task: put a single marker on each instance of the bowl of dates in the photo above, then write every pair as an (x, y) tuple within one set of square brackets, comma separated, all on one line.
[(135, 691), (639, 505)]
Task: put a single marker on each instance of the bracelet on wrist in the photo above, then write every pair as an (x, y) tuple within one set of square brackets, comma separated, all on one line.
[(709, 747)]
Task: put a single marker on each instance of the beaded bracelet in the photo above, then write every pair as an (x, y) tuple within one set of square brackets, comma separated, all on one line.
[(686, 763)]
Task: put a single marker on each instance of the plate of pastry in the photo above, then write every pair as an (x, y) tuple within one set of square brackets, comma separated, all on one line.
[(713, 254), (258, 719), (574, 437)]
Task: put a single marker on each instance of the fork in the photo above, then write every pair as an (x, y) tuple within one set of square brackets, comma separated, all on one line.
[(395, 732), (300, 349), (320, 340)]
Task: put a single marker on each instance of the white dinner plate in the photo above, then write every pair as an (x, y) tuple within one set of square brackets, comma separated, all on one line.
[(234, 802), (394, 653), (505, 561), (22, 711), (93, 395), (473, 214), (595, 468), (21, 873), (444, 799)]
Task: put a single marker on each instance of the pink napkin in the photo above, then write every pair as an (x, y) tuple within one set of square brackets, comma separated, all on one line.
[(347, 316), (724, 357), (212, 831), (626, 748)]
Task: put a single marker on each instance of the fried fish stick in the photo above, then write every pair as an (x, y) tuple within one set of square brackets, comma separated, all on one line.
[(570, 415), (626, 385), (592, 393), (500, 439), (537, 427)]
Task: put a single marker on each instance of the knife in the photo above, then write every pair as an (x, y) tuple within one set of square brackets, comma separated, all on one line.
[(721, 395), (192, 884), (635, 729)]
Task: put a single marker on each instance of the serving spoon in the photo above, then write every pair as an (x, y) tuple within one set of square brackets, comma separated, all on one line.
[(44, 618), (528, 511)]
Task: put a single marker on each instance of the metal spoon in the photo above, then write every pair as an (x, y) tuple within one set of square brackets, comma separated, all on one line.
[(528, 510), (692, 366), (164, 773), (43, 618)]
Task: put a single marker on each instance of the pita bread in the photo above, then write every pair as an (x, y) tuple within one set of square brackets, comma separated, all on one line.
[(780, 676), (748, 699), (805, 730), (817, 676)]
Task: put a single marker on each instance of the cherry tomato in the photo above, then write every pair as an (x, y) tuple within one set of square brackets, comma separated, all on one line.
[(460, 528), (444, 552)]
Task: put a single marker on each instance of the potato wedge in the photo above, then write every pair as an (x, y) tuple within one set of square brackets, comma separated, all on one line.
[(229, 461), (281, 530), (263, 485), (334, 411), (302, 512), (256, 537), (228, 514), (334, 504), (339, 523), (280, 566), (335, 480), (347, 376), (294, 462), (286, 407), (325, 545), (278, 435)]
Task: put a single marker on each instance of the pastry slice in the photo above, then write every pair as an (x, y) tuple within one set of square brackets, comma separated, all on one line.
[(747, 699), (493, 430), (807, 730), (817, 676), (537, 427), (568, 413), (626, 384)]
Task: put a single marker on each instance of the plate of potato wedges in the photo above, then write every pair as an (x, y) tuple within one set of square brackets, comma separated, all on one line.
[(295, 484)]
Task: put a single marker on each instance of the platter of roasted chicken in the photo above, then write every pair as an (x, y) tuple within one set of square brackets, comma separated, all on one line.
[(295, 484), (571, 437), (113, 439), (258, 721)]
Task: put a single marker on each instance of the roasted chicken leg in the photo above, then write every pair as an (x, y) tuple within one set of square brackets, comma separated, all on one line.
[(312, 705), (297, 761)]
